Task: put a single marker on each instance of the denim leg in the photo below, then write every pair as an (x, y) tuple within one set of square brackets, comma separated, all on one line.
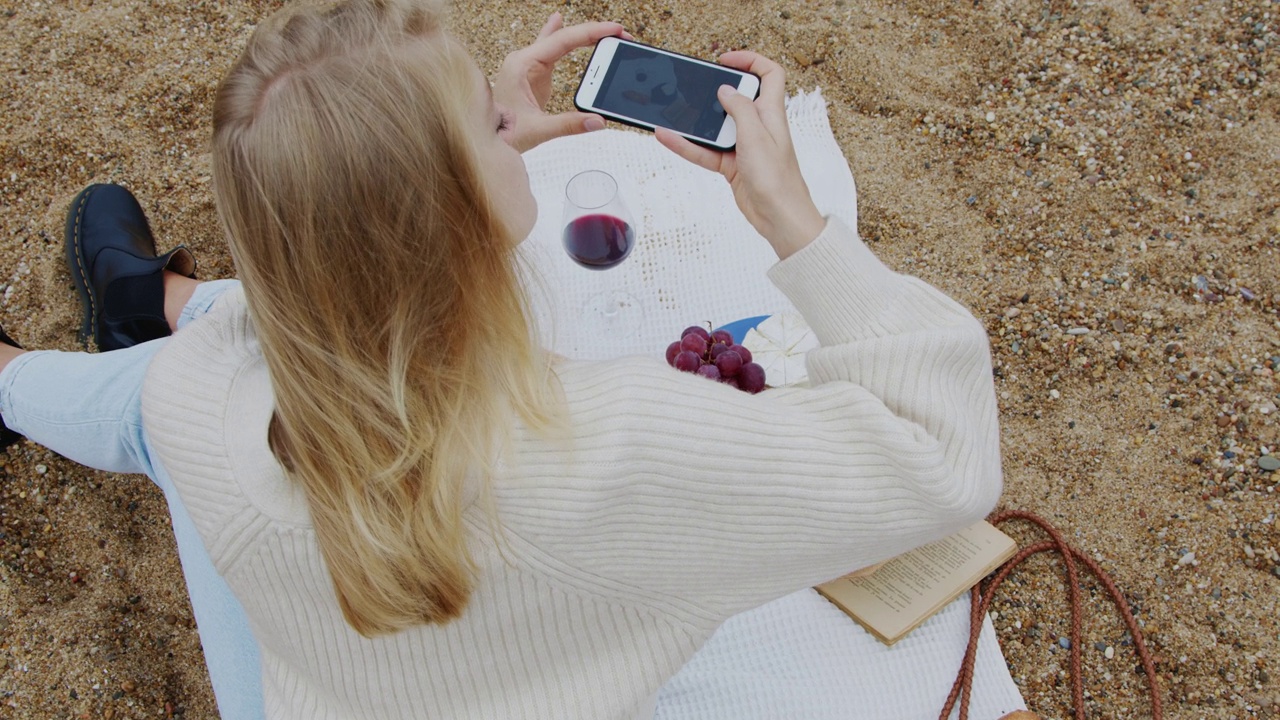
[(88, 408), (202, 299), (230, 650), (84, 407)]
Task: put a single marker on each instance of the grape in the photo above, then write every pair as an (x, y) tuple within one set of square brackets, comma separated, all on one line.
[(696, 330), (695, 344), (716, 356), (687, 361), (751, 378), (672, 350), (729, 363)]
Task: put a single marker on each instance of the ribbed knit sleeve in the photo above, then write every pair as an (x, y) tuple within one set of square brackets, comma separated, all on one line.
[(709, 501), (186, 415)]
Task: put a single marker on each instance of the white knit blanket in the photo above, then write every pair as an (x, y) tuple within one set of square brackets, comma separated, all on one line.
[(696, 257), (698, 260)]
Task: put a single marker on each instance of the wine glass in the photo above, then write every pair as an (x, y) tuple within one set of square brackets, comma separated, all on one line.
[(597, 227), (599, 234)]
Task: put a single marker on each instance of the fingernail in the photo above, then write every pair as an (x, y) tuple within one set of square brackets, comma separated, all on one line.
[(593, 123)]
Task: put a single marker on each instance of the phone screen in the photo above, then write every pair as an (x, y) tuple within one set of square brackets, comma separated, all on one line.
[(666, 91)]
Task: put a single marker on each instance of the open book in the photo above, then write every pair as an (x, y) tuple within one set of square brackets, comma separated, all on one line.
[(905, 591)]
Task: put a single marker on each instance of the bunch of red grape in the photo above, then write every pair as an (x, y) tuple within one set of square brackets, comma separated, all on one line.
[(716, 356)]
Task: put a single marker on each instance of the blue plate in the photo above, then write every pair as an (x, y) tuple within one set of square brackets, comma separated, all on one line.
[(740, 328)]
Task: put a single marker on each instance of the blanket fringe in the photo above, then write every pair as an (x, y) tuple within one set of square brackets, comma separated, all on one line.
[(803, 104)]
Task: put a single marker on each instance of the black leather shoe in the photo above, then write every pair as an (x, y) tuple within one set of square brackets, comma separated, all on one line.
[(112, 257), (7, 436)]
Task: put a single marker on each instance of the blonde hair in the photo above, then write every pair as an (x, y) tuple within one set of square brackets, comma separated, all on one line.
[(383, 288)]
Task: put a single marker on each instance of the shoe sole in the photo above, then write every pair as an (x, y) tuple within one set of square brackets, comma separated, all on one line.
[(7, 436), (77, 264)]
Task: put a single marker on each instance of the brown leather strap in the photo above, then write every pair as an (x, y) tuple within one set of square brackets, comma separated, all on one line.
[(983, 594)]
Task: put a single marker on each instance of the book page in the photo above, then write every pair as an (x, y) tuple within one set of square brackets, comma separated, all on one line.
[(909, 588)]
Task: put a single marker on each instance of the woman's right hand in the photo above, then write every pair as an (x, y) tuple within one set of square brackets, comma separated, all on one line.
[(762, 170)]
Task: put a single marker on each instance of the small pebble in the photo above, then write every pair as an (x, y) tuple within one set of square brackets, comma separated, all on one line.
[(1109, 653), (1188, 559), (1065, 642), (1078, 331), (991, 117), (42, 469), (1270, 463)]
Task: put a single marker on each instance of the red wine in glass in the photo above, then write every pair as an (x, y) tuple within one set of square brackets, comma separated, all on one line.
[(599, 234), (598, 241)]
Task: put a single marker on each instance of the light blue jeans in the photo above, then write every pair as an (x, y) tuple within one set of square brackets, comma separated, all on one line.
[(89, 408)]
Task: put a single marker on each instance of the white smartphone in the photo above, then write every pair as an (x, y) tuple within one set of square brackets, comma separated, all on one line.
[(649, 88)]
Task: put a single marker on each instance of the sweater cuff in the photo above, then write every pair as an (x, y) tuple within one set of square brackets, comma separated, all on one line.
[(839, 286)]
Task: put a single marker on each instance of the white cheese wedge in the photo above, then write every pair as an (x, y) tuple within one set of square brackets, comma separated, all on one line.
[(779, 344)]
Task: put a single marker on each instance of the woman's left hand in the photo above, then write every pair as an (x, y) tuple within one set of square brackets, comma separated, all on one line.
[(523, 84)]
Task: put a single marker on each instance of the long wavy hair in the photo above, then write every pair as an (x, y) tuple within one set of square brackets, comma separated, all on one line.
[(383, 288)]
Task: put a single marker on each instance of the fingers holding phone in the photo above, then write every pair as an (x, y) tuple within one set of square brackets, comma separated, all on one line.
[(762, 171), (772, 101), (523, 84)]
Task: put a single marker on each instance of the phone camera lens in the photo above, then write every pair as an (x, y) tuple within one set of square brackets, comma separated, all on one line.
[(641, 77)]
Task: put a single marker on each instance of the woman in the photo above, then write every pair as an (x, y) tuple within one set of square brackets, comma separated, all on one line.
[(423, 514)]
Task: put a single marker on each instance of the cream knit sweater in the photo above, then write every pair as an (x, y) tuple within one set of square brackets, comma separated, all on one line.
[(679, 503)]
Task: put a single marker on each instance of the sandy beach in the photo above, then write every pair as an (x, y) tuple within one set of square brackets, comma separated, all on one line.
[(1097, 181)]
